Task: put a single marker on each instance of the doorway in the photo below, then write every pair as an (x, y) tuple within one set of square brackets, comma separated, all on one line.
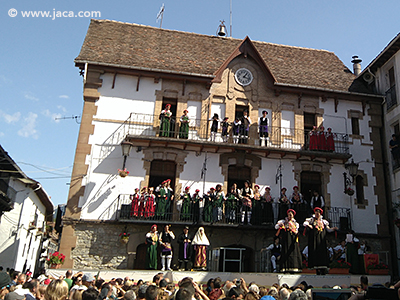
[(238, 175), (310, 181), (161, 170)]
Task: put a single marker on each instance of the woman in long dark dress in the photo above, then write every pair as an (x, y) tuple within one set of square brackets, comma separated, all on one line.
[(257, 207), (318, 256), (184, 128), (283, 204), (267, 200), (288, 230)]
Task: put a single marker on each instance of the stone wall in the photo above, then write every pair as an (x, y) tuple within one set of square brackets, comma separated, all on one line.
[(98, 246)]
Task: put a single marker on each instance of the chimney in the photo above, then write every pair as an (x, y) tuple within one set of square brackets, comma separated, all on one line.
[(356, 65)]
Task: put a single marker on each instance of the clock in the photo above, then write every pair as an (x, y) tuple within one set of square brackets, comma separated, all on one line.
[(243, 76)]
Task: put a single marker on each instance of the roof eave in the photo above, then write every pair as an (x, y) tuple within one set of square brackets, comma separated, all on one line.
[(79, 62), (327, 90)]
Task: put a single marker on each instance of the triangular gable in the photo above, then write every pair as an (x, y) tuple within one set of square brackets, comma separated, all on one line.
[(247, 48)]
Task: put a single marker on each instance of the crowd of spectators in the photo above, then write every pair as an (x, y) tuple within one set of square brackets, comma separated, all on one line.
[(84, 286)]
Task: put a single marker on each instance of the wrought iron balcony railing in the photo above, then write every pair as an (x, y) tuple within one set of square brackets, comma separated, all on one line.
[(199, 130), (264, 214), (391, 97)]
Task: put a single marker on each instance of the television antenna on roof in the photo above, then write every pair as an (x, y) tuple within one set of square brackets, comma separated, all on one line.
[(76, 118), (160, 14)]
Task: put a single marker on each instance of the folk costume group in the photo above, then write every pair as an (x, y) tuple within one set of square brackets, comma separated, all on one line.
[(290, 255), (318, 138), (192, 250)]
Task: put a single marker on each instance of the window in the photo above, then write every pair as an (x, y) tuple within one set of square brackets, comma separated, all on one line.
[(239, 110), (396, 129), (360, 189), (309, 121), (391, 97), (355, 126)]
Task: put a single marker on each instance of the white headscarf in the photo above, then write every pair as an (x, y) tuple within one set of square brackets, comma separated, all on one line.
[(200, 238)]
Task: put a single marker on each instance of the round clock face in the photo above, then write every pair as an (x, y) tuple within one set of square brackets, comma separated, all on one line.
[(243, 76)]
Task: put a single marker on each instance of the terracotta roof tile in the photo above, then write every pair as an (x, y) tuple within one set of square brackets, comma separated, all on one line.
[(139, 46)]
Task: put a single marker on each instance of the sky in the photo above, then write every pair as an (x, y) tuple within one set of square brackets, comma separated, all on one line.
[(41, 89)]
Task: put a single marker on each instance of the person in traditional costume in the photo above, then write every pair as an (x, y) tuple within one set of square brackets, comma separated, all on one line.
[(170, 199), (321, 139), (214, 126), (184, 128), (186, 205), (244, 127), (142, 201), (152, 245), (150, 206), (225, 126), (208, 205), (283, 204), (313, 139), (185, 249), (200, 243), (162, 192), (196, 199), (231, 204), (246, 197), (165, 121), (352, 246), (236, 130), (317, 201), (317, 227), (218, 203), (330, 143), (276, 251), (135, 203), (256, 206), (288, 230), (296, 202), (267, 209), (166, 238), (263, 128)]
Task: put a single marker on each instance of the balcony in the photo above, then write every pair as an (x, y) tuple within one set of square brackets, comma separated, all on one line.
[(121, 210), (144, 130), (391, 97)]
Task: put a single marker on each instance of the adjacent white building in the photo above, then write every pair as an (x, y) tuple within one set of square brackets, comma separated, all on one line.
[(382, 76), (22, 227)]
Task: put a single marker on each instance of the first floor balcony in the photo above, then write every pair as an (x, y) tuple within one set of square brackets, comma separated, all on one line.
[(231, 213)]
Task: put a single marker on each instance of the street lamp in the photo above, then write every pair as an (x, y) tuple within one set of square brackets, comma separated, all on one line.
[(126, 149), (352, 167)]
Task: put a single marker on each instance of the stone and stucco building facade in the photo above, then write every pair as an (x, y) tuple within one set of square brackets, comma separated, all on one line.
[(132, 71)]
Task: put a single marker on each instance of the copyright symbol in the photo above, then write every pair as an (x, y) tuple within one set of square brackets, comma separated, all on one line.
[(12, 12)]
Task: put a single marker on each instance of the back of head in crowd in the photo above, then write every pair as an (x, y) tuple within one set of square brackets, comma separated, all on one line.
[(90, 294), (57, 290), (151, 292), (217, 283), (298, 295), (236, 293), (130, 295), (184, 294)]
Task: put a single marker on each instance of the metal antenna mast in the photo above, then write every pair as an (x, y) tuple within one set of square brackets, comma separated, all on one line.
[(160, 14)]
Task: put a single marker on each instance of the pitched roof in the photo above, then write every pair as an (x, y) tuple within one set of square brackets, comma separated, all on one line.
[(144, 47)]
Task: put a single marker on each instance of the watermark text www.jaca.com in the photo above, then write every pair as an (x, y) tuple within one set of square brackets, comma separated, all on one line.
[(53, 14)]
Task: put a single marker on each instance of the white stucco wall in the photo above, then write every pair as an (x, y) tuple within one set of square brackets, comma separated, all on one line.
[(18, 244)]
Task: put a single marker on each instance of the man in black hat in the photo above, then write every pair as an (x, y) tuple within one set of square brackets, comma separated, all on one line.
[(185, 248), (263, 128), (244, 127)]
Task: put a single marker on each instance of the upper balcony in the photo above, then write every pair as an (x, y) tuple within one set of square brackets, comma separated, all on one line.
[(144, 131)]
